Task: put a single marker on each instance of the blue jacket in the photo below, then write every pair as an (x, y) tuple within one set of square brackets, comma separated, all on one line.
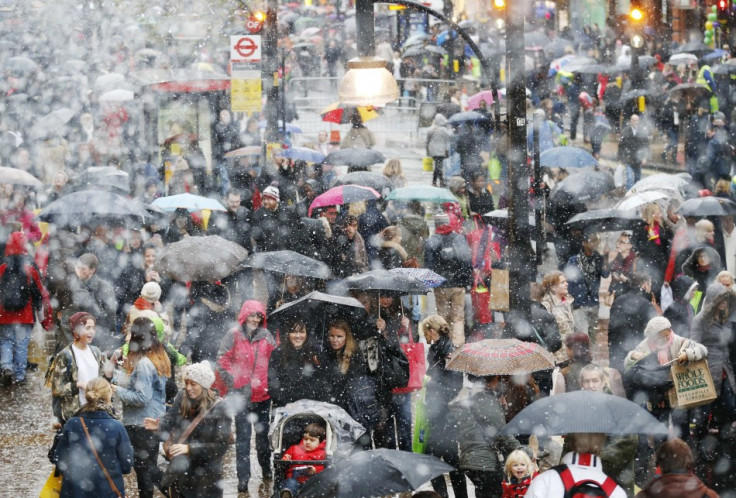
[(585, 290), (83, 476), (145, 396)]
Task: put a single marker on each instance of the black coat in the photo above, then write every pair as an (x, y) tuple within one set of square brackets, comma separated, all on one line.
[(232, 226), (680, 313), (207, 323), (292, 375), (449, 255), (276, 230), (630, 313), (443, 386), (633, 149)]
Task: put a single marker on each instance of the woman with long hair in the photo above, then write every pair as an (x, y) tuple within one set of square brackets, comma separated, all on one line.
[(391, 253), (145, 397), (557, 301), (196, 431), (652, 244), (94, 433), (292, 367)]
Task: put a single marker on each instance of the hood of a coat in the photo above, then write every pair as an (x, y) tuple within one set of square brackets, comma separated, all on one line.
[(680, 286), (690, 263), (715, 295), (676, 486), (250, 307)]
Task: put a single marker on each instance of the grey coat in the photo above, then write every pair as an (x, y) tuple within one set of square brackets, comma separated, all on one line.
[(438, 140)]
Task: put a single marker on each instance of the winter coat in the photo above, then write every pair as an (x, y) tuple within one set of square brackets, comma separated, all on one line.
[(359, 137), (38, 299), (145, 396), (652, 257), (704, 276), (680, 313), (392, 255), (480, 202), (296, 452), (478, 419), (694, 350), (207, 323), (233, 226), (584, 288), (292, 375), (562, 311), (714, 335), (63, 382), (351, 256), (442, 387), (633, 148), (676, 486), (414, 233), (629, 315), (514, 488), (276, 230), (438, 139), (582, 466), (449, 255), (83, 477), (199, 472)]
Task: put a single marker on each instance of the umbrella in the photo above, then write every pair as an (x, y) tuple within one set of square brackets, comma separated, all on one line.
[(690, 90), (370, 179), (662, 182), (635, 94), (467, 117), (200, 259), (714, 55), (593, 69), (500, 218), (448, 109), (558, 47), (416, 39), (108, 82), (423, 193), (289, 263), (87, 206), (117, 95), (535, 40), (422, 50), (475, 100), (356, 158), (696, 48), (584, 186), (190, 202), (682, 58), (250, 150), (707, 206), (15, 176), (19, 66), (385, 281), (584, 412), (567, 157), (341, 113), (425, 275), (303, 154), (343, 194), (605, 220), (51, 124), (636, 200), (727, 69), (501, 357), (104, 176), (374, 473)]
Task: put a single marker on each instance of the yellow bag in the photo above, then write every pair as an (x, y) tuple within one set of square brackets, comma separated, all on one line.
[(52, 488), (499, 290), (428, 164), (693, 384)]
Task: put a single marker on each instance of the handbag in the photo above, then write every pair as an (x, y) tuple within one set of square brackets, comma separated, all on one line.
[(421, 422), (52, 487), (97, 457), (414, 352), (499, 298), (481, 301), (693, 384), (648, 377)]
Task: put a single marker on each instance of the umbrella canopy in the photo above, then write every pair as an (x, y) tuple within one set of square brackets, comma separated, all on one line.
[(88, 206), (690, 90), (19, 66), (422, 50), (343, 194), (288, 263), (636, 200), (695, 48), (635, 94), (558, 47), (51, 124), (535, 40), (385, 281), (594, 69), (423, 193), (605, 220), (724, 69), (189, 202), (682, 58), (585, 185), (660, 182), (707, 206), (500, 218), (356, 158), (584, 412), (416, 39), (15, 176), (303, 154), (501, 357), (206, 259), (370, 179), (467, 117), (108, 82), (374, 473), (340, 113), (107, 177), (425, 275), (250, 150), (484, 96), (567, 157), (117, 95), (448, 109)]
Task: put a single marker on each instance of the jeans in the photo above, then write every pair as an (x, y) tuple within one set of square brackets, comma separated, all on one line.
[(14, 339), (145, 456), (291, 484), (257, 414), (633, 175), (438, 176)]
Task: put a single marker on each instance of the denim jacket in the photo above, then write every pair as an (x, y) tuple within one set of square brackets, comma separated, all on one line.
[(145, 395)]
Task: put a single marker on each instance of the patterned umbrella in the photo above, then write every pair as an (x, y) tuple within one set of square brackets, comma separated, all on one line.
[(425, 275), (501, 357), (340, 113)]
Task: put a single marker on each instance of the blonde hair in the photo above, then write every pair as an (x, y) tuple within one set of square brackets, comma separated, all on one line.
[(348, 350), (98, 394), (390, 232), (648, 212), (702, 227), (436, 322), (550, 279), (517, 456), (356, 208), (392, 169)]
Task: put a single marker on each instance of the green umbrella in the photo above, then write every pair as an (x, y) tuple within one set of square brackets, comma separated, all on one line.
[(422, 193)]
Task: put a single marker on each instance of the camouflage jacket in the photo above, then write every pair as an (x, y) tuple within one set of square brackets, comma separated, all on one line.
[(62, 379)]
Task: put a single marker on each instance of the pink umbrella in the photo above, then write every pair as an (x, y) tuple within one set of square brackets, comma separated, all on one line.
[(474, 100), (343, 194)]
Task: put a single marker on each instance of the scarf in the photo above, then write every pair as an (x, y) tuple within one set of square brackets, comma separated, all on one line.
[(663, 350), (143, 304), (653, 233)]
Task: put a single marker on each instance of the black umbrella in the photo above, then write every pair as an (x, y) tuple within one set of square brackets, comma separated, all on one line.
[(386, 282), (19, 66), (584, 412), (635, 94), (374, 473), (726, 69), (200, 259), (690, 90), (584, 186), (289, 263), (355, 158), (535, 40), (557, 48), (375, 181), (605, 220), (467, 117), (421, 50), (696, 48), (448, 109), (89, 206), (707, 206)]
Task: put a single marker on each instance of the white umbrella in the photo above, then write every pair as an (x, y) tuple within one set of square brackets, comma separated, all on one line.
[(683, 58), (641, 198), (117, 95)]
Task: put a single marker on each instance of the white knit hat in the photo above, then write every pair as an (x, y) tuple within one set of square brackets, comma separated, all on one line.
[(656, 325), (151, 291), (201, 373), (272, 192)]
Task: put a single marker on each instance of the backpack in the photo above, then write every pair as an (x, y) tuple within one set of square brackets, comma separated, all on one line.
[(586, 488), (16, 289)]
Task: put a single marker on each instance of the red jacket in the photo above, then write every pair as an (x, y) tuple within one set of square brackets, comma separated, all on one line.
[(296, 452), (26, 314), (245, 358)]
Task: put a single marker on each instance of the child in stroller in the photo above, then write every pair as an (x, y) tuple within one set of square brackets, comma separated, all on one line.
[(311, 447)]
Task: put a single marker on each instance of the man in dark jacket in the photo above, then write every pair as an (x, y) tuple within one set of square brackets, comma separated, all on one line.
[(584, 272), (233, 224), (633, 150), (448, 254), (275, 227), (680, 313), (629, 314)]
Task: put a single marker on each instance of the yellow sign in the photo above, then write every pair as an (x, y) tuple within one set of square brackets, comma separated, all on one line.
[(245, 95)]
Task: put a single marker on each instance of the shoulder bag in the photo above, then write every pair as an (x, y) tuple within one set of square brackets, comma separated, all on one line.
[(97, 457)]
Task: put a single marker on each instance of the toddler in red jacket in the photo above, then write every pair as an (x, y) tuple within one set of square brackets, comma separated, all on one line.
[(311, 447), (519, 470)]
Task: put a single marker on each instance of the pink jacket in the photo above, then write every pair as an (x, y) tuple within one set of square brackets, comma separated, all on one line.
[(245, 358)]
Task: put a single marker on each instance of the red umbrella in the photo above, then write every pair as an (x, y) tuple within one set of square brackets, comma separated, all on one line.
[(343, 194)]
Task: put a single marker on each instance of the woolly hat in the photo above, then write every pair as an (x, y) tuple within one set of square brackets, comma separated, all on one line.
[(79, 318), (271, 192), (656, 325), (17, 245), (441, 219), (201, 373), (151, 291)]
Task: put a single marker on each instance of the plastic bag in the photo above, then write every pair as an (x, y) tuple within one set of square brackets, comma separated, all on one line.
[(665, 297)]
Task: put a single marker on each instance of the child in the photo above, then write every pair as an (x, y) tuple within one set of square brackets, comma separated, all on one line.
[(519, 474), (311, 447)]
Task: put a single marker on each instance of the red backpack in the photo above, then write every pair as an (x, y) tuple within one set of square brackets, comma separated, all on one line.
[(586, 488)]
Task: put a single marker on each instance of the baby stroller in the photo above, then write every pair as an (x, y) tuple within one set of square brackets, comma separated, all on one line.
[(287, 428)]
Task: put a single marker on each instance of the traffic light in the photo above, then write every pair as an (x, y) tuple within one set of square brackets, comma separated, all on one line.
[(636, 15), (723, 10), (499, 4)]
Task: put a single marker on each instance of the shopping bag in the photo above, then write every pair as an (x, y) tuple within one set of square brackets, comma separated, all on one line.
[(494, 167), (421, 422), (52, 488), (693, 384), (414, 352), (428, 164), (499, 299), (480, 297)]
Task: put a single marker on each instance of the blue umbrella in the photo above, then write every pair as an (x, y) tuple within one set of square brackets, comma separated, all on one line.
[(467, 117), (189, 202), (567, 157), (716, 54), (425, 275), (290, 128), (303, 153)]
